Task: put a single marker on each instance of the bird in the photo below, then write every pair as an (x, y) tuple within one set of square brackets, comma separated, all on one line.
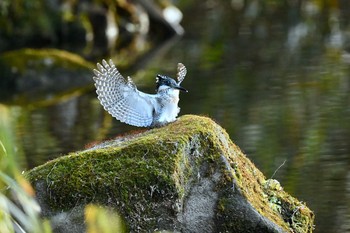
[(120, 97)]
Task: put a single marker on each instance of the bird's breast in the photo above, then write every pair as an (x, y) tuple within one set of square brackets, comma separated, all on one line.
[(168, 108)]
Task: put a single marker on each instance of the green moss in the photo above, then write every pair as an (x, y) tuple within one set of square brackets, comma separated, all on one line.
[(295, 213), (138, 173)]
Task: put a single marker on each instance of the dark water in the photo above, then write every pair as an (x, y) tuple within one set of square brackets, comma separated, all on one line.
[(275, 75)]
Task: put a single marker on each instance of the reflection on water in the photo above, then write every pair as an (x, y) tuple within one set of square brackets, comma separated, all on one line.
[(276, 76)]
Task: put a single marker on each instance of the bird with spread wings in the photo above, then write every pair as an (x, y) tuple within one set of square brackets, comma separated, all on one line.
[(121, 98)]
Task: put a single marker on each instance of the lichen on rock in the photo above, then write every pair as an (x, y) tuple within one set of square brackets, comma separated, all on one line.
[(187, 176)]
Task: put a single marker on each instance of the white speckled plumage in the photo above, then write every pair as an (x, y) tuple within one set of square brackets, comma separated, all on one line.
[(120, 97)]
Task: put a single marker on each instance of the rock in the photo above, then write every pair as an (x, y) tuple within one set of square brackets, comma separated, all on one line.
[(42, 76), (185, 177)]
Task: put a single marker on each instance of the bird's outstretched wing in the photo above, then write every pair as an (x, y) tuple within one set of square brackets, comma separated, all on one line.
[(120, 97), (181, 72)]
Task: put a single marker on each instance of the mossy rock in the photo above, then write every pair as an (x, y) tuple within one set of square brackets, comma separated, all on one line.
[(43, 76), (187, 176)]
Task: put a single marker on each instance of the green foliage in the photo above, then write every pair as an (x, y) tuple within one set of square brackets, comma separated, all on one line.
[(24, 213), (18, 208), (104, 220)]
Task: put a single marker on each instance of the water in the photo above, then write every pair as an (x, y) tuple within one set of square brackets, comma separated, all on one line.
[(276, 76)]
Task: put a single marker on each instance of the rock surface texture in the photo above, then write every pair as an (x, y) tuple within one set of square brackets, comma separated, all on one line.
[(185, 177)]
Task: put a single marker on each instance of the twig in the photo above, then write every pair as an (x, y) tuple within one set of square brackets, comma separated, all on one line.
[(278, 169)]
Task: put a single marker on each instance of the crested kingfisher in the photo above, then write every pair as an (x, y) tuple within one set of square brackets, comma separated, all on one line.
[(121, 98)]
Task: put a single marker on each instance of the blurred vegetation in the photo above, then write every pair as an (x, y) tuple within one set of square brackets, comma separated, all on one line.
[(100, 219), (19, 211)]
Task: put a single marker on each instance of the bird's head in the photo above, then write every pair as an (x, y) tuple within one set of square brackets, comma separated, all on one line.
[(165, 82)]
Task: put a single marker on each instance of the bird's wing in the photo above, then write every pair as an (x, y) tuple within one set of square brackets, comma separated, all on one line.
[(181, 72), (120, 97)]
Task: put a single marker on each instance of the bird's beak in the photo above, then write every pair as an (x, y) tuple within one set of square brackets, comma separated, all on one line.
[(181, 88)]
